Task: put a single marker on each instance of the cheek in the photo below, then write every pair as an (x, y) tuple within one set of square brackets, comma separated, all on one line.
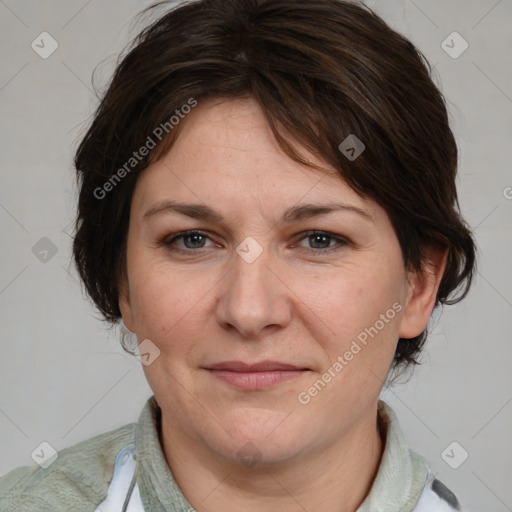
[(162, 301), (355, 302), (173, 308), (362, 311), (363, 317)]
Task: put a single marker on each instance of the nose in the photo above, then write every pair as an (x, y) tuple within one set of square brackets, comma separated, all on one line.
[(254, 300)]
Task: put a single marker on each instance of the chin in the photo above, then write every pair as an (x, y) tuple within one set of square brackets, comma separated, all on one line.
[(257, 438), (261, 453)]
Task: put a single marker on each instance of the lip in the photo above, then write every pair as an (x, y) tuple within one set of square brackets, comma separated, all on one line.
[(262, 366), (260, 375)]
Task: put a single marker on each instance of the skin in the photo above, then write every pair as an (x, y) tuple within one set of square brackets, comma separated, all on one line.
[(302, 301)]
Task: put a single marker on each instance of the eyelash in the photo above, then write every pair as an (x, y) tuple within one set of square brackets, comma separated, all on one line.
[(307, 234)]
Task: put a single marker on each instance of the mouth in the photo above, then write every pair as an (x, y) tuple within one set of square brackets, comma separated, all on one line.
[(261, 375)]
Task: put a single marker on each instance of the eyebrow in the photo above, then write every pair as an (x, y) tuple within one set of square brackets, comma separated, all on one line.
[(298, 212)]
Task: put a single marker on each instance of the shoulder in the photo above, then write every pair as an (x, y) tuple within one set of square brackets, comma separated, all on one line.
[(77, 480)]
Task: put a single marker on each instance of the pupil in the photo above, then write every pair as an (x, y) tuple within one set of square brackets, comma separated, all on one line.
[(195, 239), (325, 239)]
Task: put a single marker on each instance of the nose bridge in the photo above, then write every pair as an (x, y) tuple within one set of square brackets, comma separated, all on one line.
[(252, 298)]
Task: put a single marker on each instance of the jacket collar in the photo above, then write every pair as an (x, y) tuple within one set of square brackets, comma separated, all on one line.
[(399, 483)]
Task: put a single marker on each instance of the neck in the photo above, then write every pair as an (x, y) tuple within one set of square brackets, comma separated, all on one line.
[(334, 477)]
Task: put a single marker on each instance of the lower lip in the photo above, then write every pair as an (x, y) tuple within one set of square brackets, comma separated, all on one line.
[(257, 380)]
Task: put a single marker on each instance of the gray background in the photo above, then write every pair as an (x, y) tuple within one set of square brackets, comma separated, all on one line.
[(63, 375)]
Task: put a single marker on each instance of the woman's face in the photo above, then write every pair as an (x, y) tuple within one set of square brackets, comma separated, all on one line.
[(273, 341)]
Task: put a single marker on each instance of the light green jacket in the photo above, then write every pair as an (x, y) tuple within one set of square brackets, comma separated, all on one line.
[(79, 479)]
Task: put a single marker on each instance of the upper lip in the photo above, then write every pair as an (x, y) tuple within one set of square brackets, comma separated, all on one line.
[(262, 366)]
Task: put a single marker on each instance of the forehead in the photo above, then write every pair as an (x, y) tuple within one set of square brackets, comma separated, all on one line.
[(227, 128), (226, 150)]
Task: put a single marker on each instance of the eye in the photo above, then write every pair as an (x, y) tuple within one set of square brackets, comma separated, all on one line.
[(321, 241), (193, 240)]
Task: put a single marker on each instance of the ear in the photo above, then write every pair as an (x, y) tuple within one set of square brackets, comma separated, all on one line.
[(125, 306), (423, 287)]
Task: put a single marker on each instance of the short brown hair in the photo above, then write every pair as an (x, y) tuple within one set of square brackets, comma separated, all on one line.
[(320, 69)]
